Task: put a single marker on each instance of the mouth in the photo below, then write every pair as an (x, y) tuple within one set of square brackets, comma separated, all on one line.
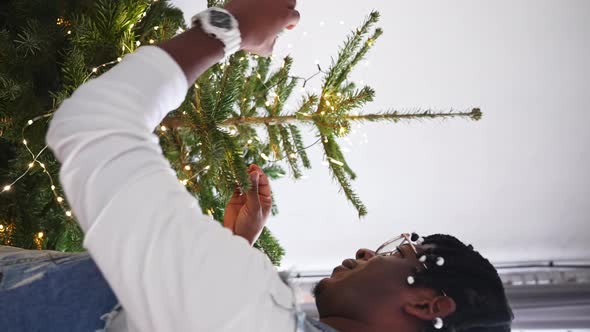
[(347, 265)]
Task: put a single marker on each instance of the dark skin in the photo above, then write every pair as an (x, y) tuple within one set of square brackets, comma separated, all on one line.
[(368, 293)]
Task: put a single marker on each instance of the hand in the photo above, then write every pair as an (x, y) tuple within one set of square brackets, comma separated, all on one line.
[(261, 21), (246, 214)]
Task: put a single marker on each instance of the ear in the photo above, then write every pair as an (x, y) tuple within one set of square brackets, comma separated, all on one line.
[(430, 308)]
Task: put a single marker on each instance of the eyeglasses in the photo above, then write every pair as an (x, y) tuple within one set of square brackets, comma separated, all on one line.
[(392, 247)]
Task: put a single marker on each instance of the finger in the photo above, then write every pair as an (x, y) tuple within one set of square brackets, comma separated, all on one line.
[(264, 185), (268, 49), (252, 199), (293, 19)]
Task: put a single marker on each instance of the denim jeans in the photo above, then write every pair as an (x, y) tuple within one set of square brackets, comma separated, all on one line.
[(55, 291), (52, 291)]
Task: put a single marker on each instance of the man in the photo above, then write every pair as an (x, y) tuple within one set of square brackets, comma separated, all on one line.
[(172, 269)]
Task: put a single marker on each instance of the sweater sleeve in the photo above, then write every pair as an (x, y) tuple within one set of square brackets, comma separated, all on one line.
[(172, 268)]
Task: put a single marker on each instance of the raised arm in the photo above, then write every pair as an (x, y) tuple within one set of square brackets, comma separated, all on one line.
[(172, 268)]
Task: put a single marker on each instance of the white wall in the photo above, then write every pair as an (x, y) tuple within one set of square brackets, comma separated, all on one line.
[(516, 184)]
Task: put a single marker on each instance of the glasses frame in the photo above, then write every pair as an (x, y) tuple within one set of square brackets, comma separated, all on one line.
[(407, 238)]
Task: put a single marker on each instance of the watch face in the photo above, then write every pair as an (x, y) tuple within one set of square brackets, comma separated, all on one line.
[(220, 20)]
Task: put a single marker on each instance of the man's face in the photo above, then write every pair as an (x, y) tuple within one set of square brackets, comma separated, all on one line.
[(368, 283)]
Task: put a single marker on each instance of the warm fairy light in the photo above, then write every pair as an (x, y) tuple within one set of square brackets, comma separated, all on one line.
[(137, 43), (267, 103), (6, 188), (52, 187), (40, 235), (119, 59), (94, 70), (60, 199), (152, 41), (30, 122), (233, 131), (163, 128), (207, 167), (31, 165), (258, 75), (1, 228), (293, 155), (69, 32), (328, 103), (42, 165), (69, 213), (25, 142), (334, 161), (249, 141), (60, 21), (131, 26), (184, 182), (156, 27), (339, 94), (187, 167)]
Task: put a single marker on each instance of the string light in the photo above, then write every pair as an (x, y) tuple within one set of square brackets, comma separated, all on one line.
[(156, 28), (336, 162), (1, 228), (187, 167), (6, 188), (152, 41), (163, 128)]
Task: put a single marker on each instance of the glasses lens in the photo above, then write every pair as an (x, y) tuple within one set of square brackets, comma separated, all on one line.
[(391, 247)]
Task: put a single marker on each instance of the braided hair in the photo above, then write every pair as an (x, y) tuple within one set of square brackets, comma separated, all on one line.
[(471, 281)]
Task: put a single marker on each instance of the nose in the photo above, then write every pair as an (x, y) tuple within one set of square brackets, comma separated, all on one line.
[(365, 254)]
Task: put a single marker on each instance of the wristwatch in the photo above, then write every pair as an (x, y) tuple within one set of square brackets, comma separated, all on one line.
[(220, 24)]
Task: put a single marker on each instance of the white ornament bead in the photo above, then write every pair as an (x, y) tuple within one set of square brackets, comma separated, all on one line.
[(422, 259), (440, 261), (411, 280), (438, 323)]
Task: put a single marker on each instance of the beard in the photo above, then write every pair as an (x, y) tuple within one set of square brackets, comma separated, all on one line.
[(317, 289)]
